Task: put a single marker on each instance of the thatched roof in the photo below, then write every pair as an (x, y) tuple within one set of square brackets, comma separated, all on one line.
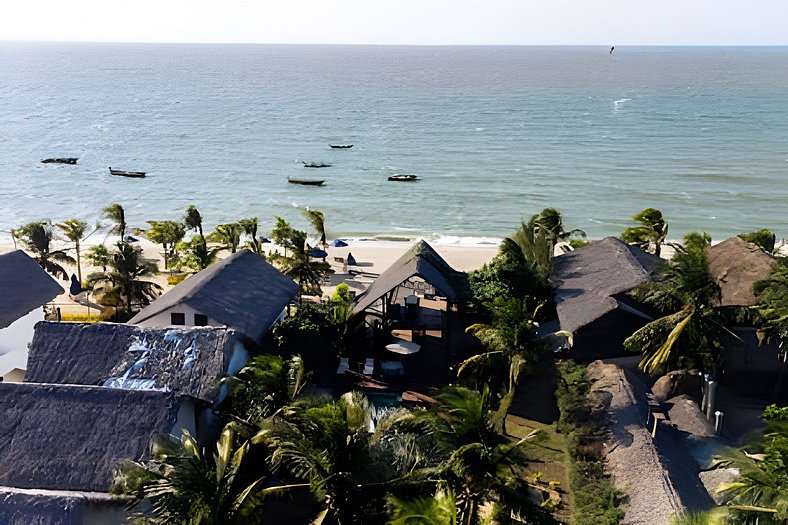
[(24, 286), (242, 291), (188, 361), (68, 437), (423, 261), (49, 507), (587, 279), (735, 265)]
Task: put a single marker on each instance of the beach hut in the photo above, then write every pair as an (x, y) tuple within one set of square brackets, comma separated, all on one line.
[(736, 265), (590, 286), (242, 292), (61, 444), (24, 289), (420, 275)]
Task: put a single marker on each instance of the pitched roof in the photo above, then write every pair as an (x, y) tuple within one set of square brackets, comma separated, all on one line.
[(586, 279), (50, 507), (421, 260), (189, 361), (68, 437), (736, 265), (24, 286), (242, 291)]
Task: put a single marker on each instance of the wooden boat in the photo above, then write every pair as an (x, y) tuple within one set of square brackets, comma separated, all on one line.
[(403, 177), (306, 182), (316, 164), (341, 146), (60, 160), (134, 174)]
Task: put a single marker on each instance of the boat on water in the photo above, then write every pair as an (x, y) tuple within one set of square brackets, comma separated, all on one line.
[(60, 160), (315, 164), (133, 174), (306, 182), (403, 177), (341, 146)]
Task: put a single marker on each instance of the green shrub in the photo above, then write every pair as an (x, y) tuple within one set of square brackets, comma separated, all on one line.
[(763, 238), (80, 318)]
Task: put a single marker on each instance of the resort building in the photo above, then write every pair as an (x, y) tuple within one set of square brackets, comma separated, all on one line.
[(62, 444), (590, 294), (412, 312), (242, 292), (24, 289)]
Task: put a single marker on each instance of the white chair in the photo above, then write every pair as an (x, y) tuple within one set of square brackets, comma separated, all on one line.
[(344, 366), (369, 366)]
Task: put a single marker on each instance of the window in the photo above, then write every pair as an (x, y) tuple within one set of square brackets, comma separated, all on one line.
[(179, 319), (200, 320)]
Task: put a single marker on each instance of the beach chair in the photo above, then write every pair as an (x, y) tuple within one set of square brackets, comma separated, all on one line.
[(344, 365), (369, 366)]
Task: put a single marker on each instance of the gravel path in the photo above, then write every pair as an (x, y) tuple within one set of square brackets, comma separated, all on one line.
[(658, 476)]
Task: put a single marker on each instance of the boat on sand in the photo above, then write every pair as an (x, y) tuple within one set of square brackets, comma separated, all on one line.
[(306, 182), (403, 177), (133, 174)]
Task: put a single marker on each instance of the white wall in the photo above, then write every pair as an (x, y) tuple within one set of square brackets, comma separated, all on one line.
[(164, 319), (20, 333)]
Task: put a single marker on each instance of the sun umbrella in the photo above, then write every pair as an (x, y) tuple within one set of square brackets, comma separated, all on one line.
[(337, 243), (318, 253)]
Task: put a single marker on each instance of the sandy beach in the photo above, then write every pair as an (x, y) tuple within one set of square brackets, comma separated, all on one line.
[(372, 257)]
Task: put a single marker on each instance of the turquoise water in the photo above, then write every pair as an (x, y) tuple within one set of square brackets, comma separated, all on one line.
[(495, 133)]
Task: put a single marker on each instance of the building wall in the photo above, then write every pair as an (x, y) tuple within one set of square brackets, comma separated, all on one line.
[(14, 376), (104, 513), (604, 338), (754, 370), (16, 336), (164, 319)]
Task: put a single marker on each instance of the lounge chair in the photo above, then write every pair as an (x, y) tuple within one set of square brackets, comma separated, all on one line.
[(369, 366), (344, 366)]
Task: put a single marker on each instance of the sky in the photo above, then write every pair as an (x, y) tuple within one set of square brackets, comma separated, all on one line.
[(416, 22)]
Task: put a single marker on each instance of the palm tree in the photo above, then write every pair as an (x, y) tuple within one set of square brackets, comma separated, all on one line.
[(318, 222), (123, 277), (184, 486), (330, 446), (74, 229), (37, 237), (434, 510), (115, 213), (652, 230), (510, 343), (99, 255), (249, 227), (168, 234), (300, 266), (477, 461), (228, 235), (264, 386), (193, 220), (690, 335), (538, 237), (196, 254)]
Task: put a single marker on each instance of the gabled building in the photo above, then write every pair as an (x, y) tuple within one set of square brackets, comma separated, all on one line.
[(242, 292), (590, 286), (186, 361), (62, 443), (24, 289)]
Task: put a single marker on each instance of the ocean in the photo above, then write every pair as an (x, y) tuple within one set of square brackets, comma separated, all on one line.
[(494, 133)]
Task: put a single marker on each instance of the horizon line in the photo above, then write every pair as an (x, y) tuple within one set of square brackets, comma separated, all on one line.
[(360, 44)]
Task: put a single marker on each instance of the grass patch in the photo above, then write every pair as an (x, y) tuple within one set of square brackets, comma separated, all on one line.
[(547, 457), (80, 318), (595, 500)]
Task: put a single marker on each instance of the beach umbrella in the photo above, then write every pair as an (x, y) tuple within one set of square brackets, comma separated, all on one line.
[(265, 240), (76, 287), (318, 253), (337, 243)]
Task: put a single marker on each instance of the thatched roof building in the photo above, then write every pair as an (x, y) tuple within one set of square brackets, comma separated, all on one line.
[(242, 292), (590, 284), (420, 261), (187, 361), (24, 286), (67, 437), (59, 507), (736, 265)]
